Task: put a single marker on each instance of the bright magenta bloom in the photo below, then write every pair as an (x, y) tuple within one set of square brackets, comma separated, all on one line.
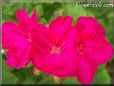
[(16, 39), (66, 51), (61, 49), (92, 48), (54, 51)]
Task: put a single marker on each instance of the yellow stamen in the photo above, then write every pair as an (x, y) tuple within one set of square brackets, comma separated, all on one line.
[(55, 50), (57, 80), (36, 72)]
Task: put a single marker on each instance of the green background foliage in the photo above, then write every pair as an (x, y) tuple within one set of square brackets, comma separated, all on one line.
[(46, 13)]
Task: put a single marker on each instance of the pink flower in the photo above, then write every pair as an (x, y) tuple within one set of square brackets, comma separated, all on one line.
[(16, 39), (92, 47), (62, 49), (54, 51)]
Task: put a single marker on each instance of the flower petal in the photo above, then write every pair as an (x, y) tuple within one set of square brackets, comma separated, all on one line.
[(41, 38), (88, 28), (24, 57), (33, 21), (62, 65), (99, 50), (12, 36), (58, 28), (18, 57), (87, 70), (34, 18), (11, 60), (69, 37), (22, 17), (25, 22)]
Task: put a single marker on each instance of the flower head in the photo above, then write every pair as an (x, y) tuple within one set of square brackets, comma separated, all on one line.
[(54, 48), (61, 49), (16, 39), (92, 47)]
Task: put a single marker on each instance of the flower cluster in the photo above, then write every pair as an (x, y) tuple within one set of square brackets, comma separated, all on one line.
[(62, 49)]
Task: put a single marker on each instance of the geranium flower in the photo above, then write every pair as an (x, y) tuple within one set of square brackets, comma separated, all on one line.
[(54, 51), (92, 47), (16, 39)]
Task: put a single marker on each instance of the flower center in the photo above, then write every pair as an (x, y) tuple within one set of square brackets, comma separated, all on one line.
[(80, 48), (28, 36), (29, 39), (55, 50)]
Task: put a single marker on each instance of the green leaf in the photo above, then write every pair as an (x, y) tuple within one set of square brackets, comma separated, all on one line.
[(102, 77), (47, 80), (70, 81), (89, 13), (8, 78), (43, 20), (50, 10), (74, 11), (39, 10), (29, 80)]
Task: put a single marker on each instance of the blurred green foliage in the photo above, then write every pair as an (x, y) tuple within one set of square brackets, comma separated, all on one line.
[(102, 77), (46, 13)]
